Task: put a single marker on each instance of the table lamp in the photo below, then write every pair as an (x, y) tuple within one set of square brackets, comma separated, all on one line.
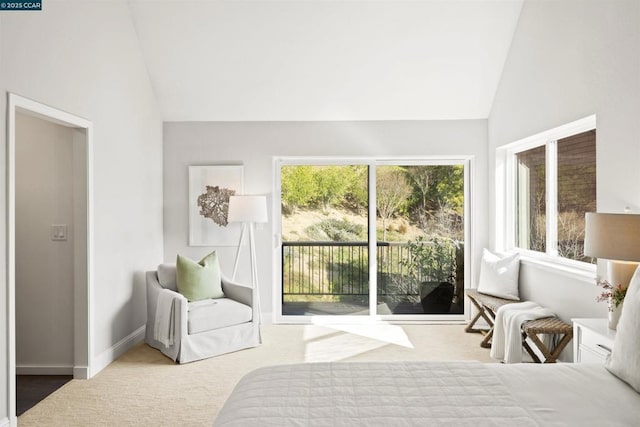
[(616, 238)]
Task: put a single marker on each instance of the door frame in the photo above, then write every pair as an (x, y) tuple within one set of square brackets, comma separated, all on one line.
[(82, 365)]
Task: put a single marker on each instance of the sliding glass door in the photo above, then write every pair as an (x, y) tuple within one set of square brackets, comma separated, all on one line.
[(325, 256), (420, 232), (384, 238)]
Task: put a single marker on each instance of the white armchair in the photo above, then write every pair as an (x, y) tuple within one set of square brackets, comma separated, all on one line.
[(203, 328)]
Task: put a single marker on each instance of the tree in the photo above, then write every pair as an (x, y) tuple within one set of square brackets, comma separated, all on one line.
[(438, 196), (324, 186), (420, 177), (298, 186), (358, 192), (392, 193), (331, 183), (447, 188)]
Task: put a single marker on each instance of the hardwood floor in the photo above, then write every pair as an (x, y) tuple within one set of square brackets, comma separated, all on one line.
[(31, 389)]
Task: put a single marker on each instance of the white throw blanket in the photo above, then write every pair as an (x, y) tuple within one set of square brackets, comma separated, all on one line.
[(506, 343), (164, 328)]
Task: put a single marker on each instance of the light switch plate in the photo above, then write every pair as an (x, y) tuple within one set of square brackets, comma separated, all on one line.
[(59, 232)]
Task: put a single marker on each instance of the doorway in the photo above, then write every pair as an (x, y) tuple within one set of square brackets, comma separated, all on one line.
[(49, 243)]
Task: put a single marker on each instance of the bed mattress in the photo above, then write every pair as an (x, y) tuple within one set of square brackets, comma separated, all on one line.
[(430, 393)]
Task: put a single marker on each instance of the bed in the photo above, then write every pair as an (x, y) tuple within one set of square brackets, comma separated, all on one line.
[(431, 393), (448, 393)]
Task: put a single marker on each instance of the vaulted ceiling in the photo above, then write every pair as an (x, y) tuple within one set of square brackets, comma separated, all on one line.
[(325, 60)]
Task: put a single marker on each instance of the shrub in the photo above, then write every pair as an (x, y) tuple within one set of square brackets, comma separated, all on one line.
[(336, 230), (432, 261)]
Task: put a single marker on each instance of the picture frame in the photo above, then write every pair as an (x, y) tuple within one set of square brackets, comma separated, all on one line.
[(209, 191)]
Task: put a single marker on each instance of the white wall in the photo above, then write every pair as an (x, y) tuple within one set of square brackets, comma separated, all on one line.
[(570, 59), (254, 144), (83, 57), (44, 268)]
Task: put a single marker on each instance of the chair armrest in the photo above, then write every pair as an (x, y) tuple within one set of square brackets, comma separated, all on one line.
[(237, 292)]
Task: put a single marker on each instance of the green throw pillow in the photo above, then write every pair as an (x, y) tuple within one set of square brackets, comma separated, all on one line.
[(197, 281)]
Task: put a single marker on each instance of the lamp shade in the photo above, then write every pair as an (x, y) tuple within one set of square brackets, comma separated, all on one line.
[(612, 236), (247, 209)]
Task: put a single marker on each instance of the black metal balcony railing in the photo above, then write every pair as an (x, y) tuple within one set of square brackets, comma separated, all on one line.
[(342, 269)]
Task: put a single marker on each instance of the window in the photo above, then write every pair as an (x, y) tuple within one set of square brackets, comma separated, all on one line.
[(531, 192), (553, 181)]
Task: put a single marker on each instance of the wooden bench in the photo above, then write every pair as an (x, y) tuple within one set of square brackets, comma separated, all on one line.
[(548, 325), (487, 306)]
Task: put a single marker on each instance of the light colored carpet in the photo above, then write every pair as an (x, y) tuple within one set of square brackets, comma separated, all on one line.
[(144, 388)]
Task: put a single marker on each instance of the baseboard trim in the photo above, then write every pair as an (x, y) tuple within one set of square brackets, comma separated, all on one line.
[(81, 372), (4, 422), (118, 349), (44, 370)]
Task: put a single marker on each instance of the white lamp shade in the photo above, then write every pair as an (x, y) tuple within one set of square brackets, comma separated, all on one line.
[(247, 209), (612, 236)]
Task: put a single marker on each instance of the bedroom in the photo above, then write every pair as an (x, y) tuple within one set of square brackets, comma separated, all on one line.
[(85, 58)]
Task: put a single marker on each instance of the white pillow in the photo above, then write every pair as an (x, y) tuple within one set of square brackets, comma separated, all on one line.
[(624, 361), (499, 275)]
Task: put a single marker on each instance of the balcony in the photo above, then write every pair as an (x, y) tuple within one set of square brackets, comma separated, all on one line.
[(332, 278)]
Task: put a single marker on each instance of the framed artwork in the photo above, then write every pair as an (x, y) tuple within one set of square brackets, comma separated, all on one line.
[(209, 191)]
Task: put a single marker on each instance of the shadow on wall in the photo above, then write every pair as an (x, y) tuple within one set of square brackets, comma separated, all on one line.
[(139, 299), (131, 315)]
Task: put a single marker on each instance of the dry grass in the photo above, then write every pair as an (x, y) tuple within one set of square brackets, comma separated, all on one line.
[(294, 226)]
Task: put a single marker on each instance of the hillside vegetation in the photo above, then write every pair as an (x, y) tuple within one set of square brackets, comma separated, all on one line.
[(330, 203)]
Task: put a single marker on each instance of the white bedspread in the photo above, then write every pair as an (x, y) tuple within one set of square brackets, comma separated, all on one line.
[(571, 394), (374, 394), (431, 394)]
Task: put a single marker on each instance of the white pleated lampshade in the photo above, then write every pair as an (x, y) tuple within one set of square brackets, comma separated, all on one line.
[(248, 209), (612, 236)]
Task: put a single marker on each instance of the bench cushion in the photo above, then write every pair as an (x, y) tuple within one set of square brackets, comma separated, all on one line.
[(499, 275), (206, 315)]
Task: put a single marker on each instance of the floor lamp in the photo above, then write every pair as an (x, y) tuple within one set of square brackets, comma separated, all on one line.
[(249, 210)]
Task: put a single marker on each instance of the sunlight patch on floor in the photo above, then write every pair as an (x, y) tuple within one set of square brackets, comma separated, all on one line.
[(326, 343)]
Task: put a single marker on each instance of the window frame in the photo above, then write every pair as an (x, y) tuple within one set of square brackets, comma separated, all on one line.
[(506, 157)]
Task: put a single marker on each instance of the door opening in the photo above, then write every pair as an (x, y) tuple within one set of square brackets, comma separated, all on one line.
[(49, 243)]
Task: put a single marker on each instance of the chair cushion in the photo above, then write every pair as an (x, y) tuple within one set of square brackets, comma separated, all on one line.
[(199, 280), (167, 276), (209, 314)]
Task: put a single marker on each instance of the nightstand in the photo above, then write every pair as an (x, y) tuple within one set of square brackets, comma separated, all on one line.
[(592, 340)]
